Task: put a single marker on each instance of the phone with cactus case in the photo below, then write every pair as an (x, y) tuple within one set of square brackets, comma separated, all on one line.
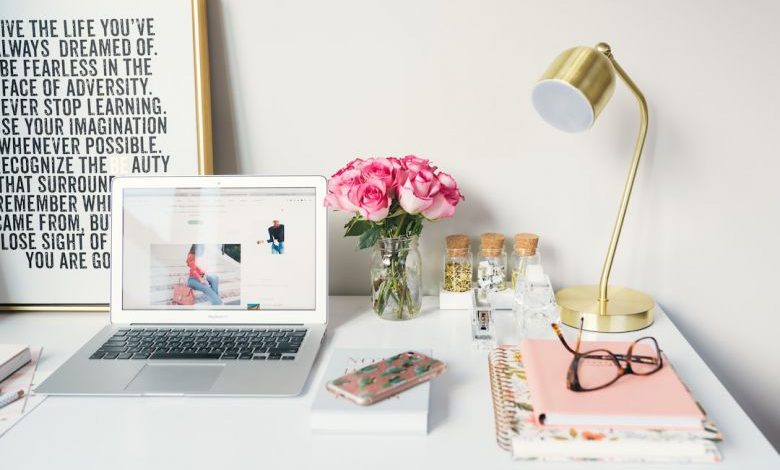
[(385, 378)]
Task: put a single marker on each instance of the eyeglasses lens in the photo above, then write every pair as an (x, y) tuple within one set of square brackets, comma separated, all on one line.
[(596, 369), (646, 358)]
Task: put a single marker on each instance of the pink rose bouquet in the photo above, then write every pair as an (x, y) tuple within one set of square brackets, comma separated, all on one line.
[(391, 197)]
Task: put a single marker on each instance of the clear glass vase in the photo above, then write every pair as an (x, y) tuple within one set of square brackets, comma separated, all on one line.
[(396, 278)]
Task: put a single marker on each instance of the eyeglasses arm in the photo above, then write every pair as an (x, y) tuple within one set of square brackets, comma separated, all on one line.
[(579, 335), (559, 333)]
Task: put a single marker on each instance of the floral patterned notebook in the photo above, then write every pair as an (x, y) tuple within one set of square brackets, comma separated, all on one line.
[(517, 432)]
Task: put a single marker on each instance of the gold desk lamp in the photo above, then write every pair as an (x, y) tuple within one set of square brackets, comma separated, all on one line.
[(569, 96)]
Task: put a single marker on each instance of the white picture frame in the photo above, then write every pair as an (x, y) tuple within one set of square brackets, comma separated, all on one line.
[(89, 90)]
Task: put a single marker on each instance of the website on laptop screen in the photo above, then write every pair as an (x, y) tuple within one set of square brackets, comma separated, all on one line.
[(219, 249)]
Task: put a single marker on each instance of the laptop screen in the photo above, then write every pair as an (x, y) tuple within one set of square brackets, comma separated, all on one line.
[(219, 249)]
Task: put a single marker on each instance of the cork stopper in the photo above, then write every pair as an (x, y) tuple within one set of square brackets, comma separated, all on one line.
[(458, 244), (526, 243), (491, 243)]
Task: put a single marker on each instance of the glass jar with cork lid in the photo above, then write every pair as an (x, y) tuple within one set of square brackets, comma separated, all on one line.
[(524, 254), (458, 264), (491, 269)]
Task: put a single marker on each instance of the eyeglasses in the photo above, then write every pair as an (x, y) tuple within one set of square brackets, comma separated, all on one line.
[(599, 368)]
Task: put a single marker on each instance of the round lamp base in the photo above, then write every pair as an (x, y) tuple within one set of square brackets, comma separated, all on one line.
[(627, 309)]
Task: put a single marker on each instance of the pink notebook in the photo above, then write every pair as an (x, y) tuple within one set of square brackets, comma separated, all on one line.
[(657, 401)]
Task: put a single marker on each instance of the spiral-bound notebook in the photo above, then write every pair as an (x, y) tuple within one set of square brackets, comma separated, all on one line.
[(517, 432)]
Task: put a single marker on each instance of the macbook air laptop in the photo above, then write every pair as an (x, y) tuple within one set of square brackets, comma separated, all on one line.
[(218, 287)]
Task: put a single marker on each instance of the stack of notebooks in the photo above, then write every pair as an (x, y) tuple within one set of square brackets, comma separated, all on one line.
[(637, 419)]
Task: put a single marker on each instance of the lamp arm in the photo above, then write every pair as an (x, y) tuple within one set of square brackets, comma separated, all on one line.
[(640, 143)]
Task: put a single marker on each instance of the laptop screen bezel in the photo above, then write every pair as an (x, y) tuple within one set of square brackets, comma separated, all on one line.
[(119, 314)]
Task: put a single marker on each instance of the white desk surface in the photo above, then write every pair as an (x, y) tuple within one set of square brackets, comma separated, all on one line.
[(220, 433)]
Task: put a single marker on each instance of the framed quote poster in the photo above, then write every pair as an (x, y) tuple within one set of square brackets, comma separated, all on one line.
[(90, 89)]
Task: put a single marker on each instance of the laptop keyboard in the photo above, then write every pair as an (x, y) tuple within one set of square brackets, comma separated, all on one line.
[(272, 344)]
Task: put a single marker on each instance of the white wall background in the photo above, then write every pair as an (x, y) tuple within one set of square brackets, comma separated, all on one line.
[(304, 86)]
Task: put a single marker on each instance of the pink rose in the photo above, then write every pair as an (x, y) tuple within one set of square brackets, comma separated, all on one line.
[(396, 162), (445, 200), (381, 169), (349, 166), (416, 164), (400, 171), (356, 163), (372, 199), (339, 186), (417, 193)]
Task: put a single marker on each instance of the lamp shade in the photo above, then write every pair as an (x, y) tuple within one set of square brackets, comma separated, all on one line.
[(574, 89)]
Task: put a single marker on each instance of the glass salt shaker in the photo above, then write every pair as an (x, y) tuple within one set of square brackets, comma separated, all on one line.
[(491, 270), (458, 267), (536, 308)]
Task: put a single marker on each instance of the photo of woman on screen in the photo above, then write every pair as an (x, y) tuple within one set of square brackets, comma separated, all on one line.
[(275, 237), (199, 280)]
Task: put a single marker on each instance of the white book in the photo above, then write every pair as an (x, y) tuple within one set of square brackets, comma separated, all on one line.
[(405, 413), (12, 358)]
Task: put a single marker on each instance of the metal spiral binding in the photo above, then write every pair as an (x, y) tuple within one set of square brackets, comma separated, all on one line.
[(503, 400)]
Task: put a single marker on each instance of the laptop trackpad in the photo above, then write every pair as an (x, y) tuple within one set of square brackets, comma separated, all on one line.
[(178, 378)]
